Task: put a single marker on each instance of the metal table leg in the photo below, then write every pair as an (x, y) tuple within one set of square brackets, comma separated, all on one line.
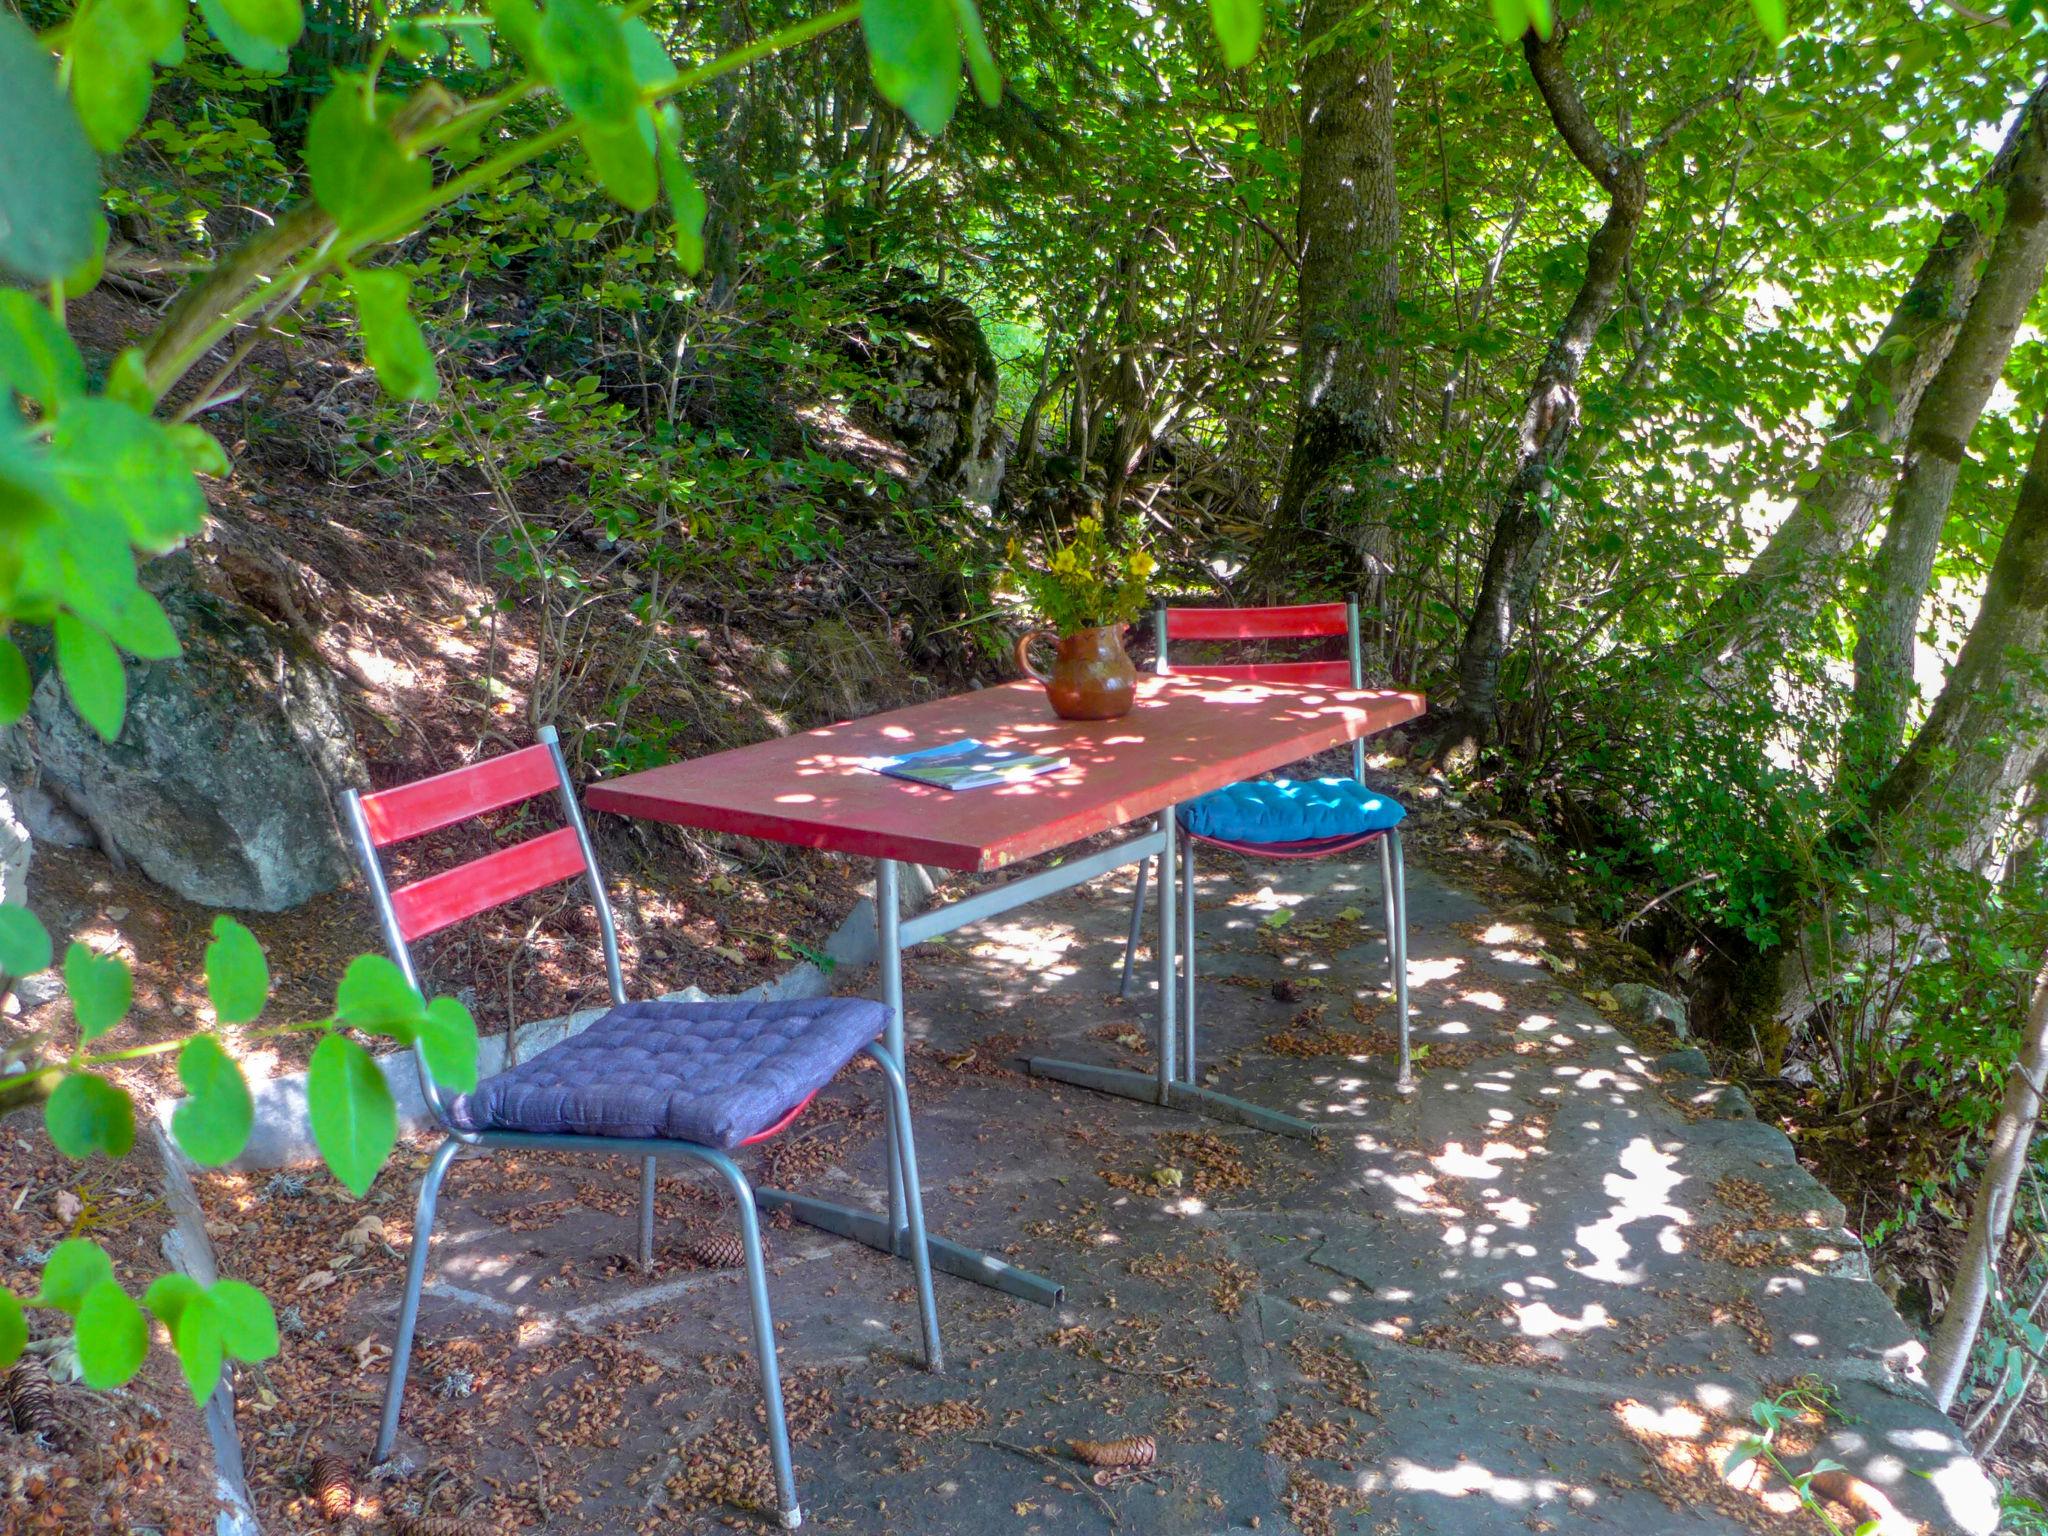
[(1173, 1086), (890, 1233)]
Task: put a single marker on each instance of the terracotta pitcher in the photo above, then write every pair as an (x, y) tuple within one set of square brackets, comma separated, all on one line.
[(1091, 679)]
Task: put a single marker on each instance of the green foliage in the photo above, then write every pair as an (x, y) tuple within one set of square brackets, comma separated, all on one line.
[(1082, 582), (349, 1104), (101, 989), (237, 975), (212, 1124), (49, 183)]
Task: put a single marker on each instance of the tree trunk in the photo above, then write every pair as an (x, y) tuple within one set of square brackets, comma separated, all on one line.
[(1347, 367), (1991, 1213), (1792, 577), (1890, 614), (1960, 784), (1521, 529), (1956, 797)]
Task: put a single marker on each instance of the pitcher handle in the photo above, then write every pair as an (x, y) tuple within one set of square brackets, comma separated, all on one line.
[(1024, 654)]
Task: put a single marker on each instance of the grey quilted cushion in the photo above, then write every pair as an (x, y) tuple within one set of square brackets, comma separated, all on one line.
[(712, 1073)]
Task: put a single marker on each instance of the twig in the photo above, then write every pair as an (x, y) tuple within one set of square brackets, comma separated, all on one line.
[(1066, 1472), (1661, 897)]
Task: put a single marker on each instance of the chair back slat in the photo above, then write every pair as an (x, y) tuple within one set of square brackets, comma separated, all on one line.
[(427, 805), (443, 899), (1298, 621), (1332, 674)]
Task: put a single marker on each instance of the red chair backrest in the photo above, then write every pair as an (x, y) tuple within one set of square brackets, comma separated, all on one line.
[(440, 900), (1297, 621)]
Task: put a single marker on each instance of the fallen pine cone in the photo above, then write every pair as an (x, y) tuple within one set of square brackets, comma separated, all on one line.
[(1137, 1451), (719, 1250), (438, 1525), (31, 1400), (334, 1487)]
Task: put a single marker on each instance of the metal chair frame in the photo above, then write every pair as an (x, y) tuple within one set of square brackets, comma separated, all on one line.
[(504, 876), (1314, 619)]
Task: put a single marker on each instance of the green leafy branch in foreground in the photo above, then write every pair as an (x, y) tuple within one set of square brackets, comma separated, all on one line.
[(354, 1120)]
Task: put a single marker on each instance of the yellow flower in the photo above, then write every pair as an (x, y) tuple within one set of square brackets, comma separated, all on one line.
[(1143, 564)]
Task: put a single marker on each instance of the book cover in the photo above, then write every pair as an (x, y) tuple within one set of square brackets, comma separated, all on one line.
[(968, 764)]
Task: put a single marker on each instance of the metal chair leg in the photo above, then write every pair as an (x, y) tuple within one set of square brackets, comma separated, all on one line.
[(1387, 906), (1406, 1080), (646, 1215), (409, 1308), (764, 1338), (920, 1253), (1187, 959), (1137, 923)]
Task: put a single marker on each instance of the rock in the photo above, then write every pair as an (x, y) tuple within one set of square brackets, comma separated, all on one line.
[(49, 820), (1564, 914), (1647, 1005), (15, 848), (222, 783), (1526, 856), (944, 385)]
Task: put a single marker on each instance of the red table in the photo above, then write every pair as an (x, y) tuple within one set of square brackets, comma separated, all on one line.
[(1187, 736)]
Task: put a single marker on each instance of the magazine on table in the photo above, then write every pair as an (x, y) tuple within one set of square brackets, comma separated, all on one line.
[(969, 764)]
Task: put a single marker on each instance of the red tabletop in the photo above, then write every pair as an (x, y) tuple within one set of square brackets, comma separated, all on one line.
[(1187, 736)]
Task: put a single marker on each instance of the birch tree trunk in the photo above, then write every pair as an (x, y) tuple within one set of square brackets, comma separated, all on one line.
[(1991, 1213), (1793, 575), (1347, 367)]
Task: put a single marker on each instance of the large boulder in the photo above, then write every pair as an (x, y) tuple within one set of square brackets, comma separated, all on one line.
[(943, 385), (222, 784)]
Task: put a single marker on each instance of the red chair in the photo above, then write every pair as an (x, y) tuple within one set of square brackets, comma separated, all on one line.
[(650, 1079), (1282, 819)]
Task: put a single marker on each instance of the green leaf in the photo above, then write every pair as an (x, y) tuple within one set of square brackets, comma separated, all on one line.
[(375, 996), (83, 278), (13, 1328), (391, 336), (1513, 18), (581, 48), (275, 21), (101, 990), (1238, 25), (138, 626), (116, 461), (169, 1294), (111, 50), (686, 203), (213, 1122), (981, 63), (16, 688), (37, 358), (249, 49), (447, 1039), (128, 381), (1770, 16), (196, 1335), (92, 673), (49, 176), (200, 449), (88, 1114), (237, 975), (354, 1121), (74, 1267), (24, 941), (360, 173), (248, 1327), (914, 52), (113, 1336)]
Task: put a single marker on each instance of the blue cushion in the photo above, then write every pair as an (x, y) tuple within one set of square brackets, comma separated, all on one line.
[(712, 1073), (1290, 811)]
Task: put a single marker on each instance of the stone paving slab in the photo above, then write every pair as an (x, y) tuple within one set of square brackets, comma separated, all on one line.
[(1538, 1295)]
